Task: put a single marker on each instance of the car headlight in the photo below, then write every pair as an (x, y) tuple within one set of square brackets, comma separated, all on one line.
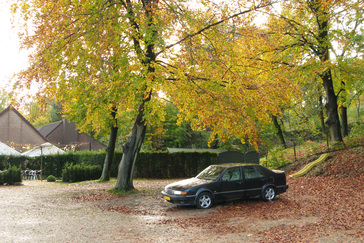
[(179, 193)]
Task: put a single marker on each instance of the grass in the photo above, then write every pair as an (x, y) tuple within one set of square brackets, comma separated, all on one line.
[(122, 192)]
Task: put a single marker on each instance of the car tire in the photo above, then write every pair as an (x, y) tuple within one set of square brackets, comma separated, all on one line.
[(204, 200), (269, 193)]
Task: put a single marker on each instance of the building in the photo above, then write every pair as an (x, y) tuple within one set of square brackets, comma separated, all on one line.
[(64, 135), (17, 132)]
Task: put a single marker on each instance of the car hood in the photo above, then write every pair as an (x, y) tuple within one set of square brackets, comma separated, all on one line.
[(185, 184)]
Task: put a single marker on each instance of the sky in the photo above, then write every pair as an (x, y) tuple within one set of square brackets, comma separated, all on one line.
[(12, 60)]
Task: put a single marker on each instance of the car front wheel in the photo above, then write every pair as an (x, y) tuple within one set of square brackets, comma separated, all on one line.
[(204, 200), (268, 194)]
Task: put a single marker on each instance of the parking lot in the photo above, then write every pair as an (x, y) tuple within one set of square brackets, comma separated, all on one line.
[(313, 209)]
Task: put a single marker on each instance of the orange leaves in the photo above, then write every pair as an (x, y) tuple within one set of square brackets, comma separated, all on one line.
[(233, 84)]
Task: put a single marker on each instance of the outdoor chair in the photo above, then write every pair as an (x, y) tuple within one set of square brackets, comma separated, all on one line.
[(32, 175)]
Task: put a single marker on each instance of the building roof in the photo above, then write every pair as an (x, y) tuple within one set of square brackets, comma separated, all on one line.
[(65, 134), (10, 107), (6, 150), (48, 129)]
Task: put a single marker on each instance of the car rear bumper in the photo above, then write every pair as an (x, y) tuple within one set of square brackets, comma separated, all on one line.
[(188, 200), (281, 189)]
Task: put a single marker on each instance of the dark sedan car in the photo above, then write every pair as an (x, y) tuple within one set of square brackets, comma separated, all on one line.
[(226, 182)]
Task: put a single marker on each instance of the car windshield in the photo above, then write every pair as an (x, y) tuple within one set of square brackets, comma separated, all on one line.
[(211, 173)]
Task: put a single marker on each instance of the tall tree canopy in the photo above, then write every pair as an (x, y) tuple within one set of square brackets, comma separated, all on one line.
[(316, 29), (209, 59)]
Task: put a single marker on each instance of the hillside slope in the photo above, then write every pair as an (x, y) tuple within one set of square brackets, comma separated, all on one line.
[(343, 163)]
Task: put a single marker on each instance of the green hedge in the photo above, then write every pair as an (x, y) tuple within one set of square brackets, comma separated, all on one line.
[(148, 165), (52, 164), (10, 176), (80, 172), (173, 165)]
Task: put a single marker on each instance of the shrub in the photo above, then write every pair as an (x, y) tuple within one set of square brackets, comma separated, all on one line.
[(1, 177), (12, 175), (356, 135), (80, 172), (276, 158), (51, 178), (357, 130)]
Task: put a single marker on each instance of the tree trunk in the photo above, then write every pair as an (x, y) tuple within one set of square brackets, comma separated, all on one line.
[(344, 120), (135, 139), (110, 150), (279, 131), (130, 151), (321, 116), (332, 121)]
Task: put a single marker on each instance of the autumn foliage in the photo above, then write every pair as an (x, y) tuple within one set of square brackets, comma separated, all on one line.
[(99, 56), (225, 70)]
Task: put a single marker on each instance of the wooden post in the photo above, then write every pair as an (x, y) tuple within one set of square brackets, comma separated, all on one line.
[(294, 149)]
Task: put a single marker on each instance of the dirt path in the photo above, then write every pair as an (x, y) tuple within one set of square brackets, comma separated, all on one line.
[(84, 212), (53, 212)]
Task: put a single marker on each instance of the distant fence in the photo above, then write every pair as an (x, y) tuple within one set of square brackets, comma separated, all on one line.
[(251, 157)]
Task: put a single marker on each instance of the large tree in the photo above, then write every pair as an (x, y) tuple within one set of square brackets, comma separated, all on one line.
[(209, 59), (316, 28)]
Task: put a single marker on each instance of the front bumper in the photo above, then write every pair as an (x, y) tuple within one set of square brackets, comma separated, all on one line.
[(186, 200)]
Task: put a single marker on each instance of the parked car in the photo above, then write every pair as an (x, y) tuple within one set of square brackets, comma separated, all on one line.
[(227, 182)]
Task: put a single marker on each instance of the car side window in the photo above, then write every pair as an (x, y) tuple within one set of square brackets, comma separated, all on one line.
[(251, 172), (259, 172), (232, 174)]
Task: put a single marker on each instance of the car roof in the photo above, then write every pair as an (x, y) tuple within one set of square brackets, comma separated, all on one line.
[(226, 165)]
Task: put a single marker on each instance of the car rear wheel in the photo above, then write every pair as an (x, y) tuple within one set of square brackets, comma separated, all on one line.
[(268, 194), (204, 200)]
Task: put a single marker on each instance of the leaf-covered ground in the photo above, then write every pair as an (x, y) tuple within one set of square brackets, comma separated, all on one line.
[(326, 205)]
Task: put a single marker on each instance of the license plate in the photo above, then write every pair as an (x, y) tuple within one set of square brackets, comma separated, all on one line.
[(167, 198)]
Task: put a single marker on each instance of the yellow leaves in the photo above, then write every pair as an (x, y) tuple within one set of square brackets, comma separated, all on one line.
[(94, 58), (234, 83)]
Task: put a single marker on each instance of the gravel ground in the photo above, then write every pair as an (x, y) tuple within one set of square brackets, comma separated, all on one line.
[(84, 212)]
